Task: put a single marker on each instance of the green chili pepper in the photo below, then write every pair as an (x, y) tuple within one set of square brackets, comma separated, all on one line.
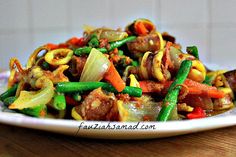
[(10, 92), (70, 87), (59, 101), (193, 51), (37, 111), (8, 101), (93, 41), (170, 100), (113, 45)]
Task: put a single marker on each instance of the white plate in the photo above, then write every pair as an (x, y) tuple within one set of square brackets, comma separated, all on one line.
[(112, 130)]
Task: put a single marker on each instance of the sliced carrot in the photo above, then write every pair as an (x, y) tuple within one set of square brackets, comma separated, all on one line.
[(113, 77)]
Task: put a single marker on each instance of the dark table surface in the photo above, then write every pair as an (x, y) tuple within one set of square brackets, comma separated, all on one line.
[(16, 141)]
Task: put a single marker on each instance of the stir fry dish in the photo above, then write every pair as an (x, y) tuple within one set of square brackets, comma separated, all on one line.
[(135, 74)]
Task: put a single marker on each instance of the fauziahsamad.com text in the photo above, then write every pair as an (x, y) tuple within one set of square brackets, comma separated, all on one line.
[(115, 126)]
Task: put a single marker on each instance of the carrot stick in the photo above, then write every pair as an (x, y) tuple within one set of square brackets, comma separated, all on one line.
[(51, 46), (141, 29), (194, 88), (113, 77)]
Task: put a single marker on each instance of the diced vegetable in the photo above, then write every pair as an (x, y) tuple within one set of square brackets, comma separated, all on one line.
[(198, 112), (113, 77), (95, 67)]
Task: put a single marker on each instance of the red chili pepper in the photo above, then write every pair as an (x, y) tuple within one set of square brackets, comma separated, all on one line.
[(197, 112), (71, 101)]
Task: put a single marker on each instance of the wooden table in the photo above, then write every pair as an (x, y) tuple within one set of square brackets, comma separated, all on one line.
[(15, 141)]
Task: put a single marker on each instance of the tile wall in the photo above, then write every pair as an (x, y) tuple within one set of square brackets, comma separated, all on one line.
[(209, 24)]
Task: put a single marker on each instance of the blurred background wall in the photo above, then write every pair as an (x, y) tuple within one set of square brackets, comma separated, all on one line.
[(209, 24)]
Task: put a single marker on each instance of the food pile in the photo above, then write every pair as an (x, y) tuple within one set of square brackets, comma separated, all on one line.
[(135, 74)]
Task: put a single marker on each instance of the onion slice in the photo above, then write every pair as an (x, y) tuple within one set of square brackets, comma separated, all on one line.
[(95, 67)]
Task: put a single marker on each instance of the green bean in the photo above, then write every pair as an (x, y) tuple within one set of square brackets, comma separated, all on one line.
[(9, 100), (120, 52), (135, 63), (86, 50), (208, 80), (193, 51), (10, 92), (59, 101), (70, 87), (77, 96), (37, 111), (169, 103), (45, 65), (93, 41), (119, 43)]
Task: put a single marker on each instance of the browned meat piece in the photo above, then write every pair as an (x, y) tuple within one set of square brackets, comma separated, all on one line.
[(143, 44), (231, 78), (166, 36), (77, 65), (199, 101), (223, 103), (99, 105)]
